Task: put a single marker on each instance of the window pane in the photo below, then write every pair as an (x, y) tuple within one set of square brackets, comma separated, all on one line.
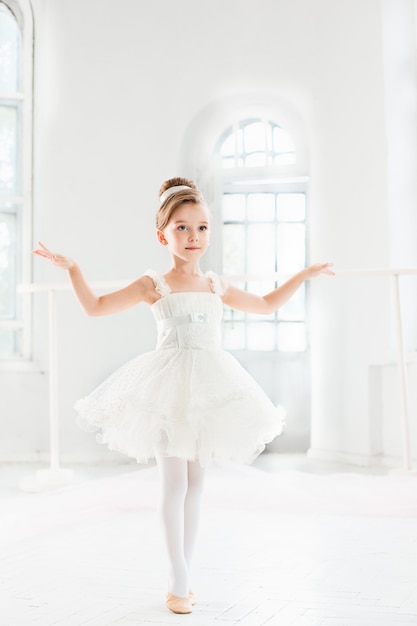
[(291, 337), (233, 249), (228, 162), (9, 51), (233, 314), (254, 137), (291, 247), (261, 287), (260, 249), (282, 141), (234, 207), (256, 159), (7, 265), (291, 207), (287, 158), (228, 147), (8, 343), (8, 148), (234, 336), (261, 207), (261, 336), (294, 309), (239, 137)]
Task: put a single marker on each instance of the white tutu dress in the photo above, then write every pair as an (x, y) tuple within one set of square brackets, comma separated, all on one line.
[(188, 398)]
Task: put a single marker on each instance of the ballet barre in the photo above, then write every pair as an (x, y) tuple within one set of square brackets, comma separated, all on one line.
[(394, 275), (56, 476)]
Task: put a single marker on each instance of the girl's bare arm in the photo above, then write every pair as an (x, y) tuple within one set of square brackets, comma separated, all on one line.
[(138, 291), (251, 303)]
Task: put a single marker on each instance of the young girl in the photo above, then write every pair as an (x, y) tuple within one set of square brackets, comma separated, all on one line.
[(187, 402)]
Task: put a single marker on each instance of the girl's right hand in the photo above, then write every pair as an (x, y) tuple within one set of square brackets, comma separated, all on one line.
[(59, 260)]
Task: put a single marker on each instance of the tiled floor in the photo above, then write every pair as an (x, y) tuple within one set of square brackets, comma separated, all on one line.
[(283, 543)]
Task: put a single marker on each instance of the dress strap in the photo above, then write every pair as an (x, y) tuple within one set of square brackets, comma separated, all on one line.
[(159, 281), (215, 283)]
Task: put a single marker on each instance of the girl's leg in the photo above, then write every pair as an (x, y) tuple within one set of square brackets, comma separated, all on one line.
[(182, 484), (196, 476), (174, 489)]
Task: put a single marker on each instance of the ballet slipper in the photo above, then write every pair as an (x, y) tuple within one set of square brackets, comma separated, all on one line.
[(178, 605), (191, 597)]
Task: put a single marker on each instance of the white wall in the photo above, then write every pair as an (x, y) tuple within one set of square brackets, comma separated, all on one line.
[(349, 225), (117, 89), (372, 226), (400, 71)]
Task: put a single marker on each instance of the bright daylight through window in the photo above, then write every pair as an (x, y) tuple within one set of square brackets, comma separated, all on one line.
[(264, 231), (12, 218)]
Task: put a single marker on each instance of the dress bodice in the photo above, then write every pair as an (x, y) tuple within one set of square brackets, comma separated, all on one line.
[(188, 320)]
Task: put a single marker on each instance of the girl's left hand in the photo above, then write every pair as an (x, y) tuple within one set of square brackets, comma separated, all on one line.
[(319, 268)]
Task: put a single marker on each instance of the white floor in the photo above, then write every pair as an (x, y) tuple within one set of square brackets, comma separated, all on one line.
[(288, 542)]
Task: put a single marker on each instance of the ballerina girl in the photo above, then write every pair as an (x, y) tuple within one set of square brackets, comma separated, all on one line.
[(188, 402)]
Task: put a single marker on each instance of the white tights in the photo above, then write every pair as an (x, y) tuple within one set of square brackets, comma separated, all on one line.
[(182, 484)]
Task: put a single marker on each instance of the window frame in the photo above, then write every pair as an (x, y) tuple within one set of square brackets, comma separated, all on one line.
[(22, 12), (279, 178), (296, 185), (236, 132)]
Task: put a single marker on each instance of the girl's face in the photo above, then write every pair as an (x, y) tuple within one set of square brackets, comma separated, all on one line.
[(187, 233)]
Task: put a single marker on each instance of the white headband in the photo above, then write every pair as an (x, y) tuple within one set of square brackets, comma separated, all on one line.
[(170, 191)]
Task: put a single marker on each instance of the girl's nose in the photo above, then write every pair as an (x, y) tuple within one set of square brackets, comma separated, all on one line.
[(193, 235)]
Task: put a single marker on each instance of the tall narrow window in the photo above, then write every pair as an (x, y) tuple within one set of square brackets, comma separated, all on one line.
[(264, 231), (15, 176)]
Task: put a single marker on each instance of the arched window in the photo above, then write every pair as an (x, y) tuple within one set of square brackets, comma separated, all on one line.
[(15, 173), (264, 230), (254, 143)]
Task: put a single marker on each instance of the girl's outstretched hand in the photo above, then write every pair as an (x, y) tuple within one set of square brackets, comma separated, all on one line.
[(319, 268), (59, 260)]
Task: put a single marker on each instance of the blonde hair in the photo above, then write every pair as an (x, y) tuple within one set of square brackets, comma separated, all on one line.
[(176, 199)]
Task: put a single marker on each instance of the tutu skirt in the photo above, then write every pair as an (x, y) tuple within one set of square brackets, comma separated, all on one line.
[(192, 404), (188, 398)]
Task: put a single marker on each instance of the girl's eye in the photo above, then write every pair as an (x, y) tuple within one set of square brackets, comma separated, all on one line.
[(203, 227), (182, 227)]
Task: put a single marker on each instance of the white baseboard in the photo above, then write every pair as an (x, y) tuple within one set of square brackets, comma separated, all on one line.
[(350, 458)]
